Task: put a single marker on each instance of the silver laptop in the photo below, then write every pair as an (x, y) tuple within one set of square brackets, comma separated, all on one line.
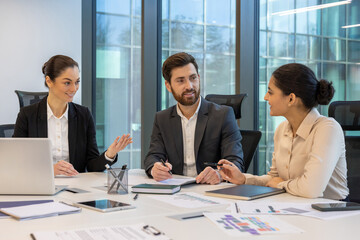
[(26, 167)]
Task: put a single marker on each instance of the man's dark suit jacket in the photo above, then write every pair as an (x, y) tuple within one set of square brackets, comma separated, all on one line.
[(83, 151), (217, 136)]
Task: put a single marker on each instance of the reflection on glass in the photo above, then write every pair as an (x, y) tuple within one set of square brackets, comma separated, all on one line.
[(187, 36), (187, 10), (301, 49), (211, 41), (280, 23), (353, 84), (262, 43), (332, 20), (219, 15), (334, 49), (218, 74), (281, 44), (217, 39), (314, 47), (112, 29), (118, 76), (113, 6), (354, 51)]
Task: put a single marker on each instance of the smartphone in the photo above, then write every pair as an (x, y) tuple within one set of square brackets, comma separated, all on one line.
[(344, 206), (104, 205)]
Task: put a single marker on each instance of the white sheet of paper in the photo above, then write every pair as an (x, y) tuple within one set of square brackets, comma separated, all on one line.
[(244, 225), (134, 232), (189, 200), (265, 208)]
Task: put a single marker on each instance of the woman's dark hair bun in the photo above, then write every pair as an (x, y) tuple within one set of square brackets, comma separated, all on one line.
[(325, 92)]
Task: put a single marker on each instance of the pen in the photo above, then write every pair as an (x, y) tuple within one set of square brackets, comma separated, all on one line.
[(165, 165), (136, 196), (112, 172), (212, 164)]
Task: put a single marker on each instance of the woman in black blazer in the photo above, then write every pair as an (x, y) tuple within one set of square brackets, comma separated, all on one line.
[(69, 126)]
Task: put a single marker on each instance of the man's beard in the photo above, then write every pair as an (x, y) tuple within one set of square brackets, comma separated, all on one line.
[(186, 101)]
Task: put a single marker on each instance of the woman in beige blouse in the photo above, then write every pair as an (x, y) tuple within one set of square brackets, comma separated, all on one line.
[(309, 149)]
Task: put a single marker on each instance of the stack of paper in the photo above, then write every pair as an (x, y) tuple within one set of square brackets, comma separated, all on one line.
[(19, 203), (40, 210)]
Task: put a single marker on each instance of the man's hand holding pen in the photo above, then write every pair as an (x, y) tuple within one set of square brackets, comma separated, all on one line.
[(161, 171)]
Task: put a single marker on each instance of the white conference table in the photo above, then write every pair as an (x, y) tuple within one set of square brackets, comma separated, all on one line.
[(150, 211)]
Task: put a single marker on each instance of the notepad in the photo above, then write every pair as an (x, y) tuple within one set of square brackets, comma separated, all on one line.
[(156, 188), (19, 203), (245, 192), (40, 210)]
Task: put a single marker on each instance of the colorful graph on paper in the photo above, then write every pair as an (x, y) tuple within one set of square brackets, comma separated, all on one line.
[(239, 225)]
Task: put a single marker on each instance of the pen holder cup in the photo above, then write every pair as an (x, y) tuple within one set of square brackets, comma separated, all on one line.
[(118, 185)]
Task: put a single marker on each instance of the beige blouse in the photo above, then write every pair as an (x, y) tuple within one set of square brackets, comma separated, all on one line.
[(312, 163)]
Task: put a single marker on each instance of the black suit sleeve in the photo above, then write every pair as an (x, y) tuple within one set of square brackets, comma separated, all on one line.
[(156, 150), (21, 125), (231, 141), (95, 162)]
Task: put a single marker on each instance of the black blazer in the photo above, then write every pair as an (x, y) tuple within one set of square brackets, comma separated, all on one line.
[(217, 136), (83, 151)]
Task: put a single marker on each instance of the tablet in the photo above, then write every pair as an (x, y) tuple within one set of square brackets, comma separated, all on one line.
[(104, 205), (344, 206)]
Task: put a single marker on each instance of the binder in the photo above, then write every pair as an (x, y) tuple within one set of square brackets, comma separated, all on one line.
[(245, 192)]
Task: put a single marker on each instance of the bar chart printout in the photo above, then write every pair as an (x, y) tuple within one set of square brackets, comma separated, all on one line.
[(240, 225)]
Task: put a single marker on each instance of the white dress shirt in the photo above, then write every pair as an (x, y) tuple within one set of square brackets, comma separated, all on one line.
[(188, 131), (312, 163), (58, 130)]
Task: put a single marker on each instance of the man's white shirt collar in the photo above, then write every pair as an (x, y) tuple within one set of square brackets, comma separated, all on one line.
[(182, 115)]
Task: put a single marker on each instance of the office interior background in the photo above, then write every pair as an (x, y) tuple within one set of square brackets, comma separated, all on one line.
[(121, 44)]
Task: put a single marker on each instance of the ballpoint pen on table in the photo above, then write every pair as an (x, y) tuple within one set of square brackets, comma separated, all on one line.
[(165, 165), (136, 196)]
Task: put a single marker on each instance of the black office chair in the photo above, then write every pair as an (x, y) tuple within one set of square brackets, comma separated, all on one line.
[(7, 130), (249, 142), (28, 98), (250, 138), (347, 114), (233, 101)]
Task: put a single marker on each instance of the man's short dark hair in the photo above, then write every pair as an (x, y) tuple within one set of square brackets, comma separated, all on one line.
[(177, 60)]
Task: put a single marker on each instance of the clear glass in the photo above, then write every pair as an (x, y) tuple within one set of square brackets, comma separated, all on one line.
[(333, 19), (277, 22), (118, 76), (187, 10), (206, 30), (219, 16), (353, 84), (281, 44), (218, 39), (187, 36), (114, 6), (354, 51), (334, 49)]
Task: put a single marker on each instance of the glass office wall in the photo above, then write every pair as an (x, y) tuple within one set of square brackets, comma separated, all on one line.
[(118, 75), (206, 30), (318, 39)]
